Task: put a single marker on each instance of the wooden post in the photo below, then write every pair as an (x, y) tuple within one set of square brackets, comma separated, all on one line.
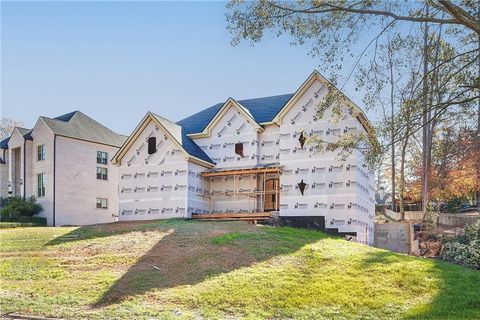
[(234, 194), (263, 202), (277, 193)]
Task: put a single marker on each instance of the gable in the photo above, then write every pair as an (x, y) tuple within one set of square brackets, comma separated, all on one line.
[(41, 128), (317, 78), (18, 137), (230, 113), (262, 110), (166, 149), (304, 110), (172, 132)]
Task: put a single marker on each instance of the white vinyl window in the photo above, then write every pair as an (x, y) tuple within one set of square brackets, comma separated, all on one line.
[(102, 157), (41, 152), (102, 203), (102, 173), (41, 185)]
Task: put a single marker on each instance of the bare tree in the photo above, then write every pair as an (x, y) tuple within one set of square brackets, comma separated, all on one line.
[(7, 126)]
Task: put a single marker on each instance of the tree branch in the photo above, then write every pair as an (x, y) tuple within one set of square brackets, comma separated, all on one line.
[(452, 10)]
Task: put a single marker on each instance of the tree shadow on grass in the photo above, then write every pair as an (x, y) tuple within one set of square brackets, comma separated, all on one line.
[(188, 258), (111, 229), (455, 290)]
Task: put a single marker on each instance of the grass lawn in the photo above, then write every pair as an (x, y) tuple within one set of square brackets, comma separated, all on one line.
[(176, 269)]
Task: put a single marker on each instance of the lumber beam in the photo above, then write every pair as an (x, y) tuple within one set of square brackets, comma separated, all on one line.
[(240, 172)]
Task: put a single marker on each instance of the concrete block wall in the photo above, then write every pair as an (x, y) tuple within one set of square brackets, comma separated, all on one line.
[(397, 237)]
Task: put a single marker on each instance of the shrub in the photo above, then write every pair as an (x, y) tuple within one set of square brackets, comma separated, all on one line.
[(9, 225), (17, 207), (464, 249), (38, 221), (454, 204)]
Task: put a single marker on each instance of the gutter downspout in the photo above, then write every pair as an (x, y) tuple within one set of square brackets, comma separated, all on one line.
[(54, 157), (24, 169)]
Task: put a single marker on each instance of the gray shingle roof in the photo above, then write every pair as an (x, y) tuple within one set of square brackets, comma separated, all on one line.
[(26, 133), (4, 143), (180, 135), (193, 149), (77, 125), (262, 110)]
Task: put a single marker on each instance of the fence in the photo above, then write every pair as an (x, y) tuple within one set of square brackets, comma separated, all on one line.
[(409, 215), (457, 219)]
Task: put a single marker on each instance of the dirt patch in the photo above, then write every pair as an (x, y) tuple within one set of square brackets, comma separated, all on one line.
[(180, 258)]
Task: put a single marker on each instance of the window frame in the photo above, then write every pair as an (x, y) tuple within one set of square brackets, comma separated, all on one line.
[(41, 185), (100, 203), (101, 175), (41, 152), (152, 145), (239, 150), (101, 157)]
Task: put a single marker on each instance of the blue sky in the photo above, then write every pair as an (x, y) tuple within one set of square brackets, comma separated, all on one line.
[(115, 61)]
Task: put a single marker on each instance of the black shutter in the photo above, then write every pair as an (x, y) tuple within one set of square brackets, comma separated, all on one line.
[(302, 140), (152, 145)]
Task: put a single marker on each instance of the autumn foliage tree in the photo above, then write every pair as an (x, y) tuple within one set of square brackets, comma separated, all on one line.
[(453, 169)]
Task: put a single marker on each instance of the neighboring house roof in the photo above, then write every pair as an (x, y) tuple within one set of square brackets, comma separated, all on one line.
[(26, 133), (67, 116), (4, 143), (382, 200), (261, 109), (79, 126)]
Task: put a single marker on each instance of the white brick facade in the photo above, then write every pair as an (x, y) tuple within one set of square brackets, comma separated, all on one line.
[(69, 168)]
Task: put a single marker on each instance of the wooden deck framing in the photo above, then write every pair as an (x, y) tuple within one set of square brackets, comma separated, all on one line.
[(240, 171), (259, 204), (249, 217)]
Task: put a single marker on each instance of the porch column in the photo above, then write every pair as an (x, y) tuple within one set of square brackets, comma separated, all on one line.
[(10, 172), (22, 170)]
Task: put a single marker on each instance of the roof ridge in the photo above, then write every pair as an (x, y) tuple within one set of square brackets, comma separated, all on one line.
[(21, 128), (273, 96), (80, 112), (66, 117), (156, 115)]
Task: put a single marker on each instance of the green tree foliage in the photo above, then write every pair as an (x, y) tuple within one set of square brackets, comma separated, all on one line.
[(415, 62)]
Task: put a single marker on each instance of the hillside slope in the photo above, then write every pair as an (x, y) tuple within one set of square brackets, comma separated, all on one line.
[(198, 269)]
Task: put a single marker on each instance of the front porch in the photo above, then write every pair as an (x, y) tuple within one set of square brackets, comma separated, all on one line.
[(247, 194)]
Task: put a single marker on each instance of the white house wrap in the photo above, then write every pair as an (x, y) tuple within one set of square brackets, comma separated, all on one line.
[(250, 156)]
